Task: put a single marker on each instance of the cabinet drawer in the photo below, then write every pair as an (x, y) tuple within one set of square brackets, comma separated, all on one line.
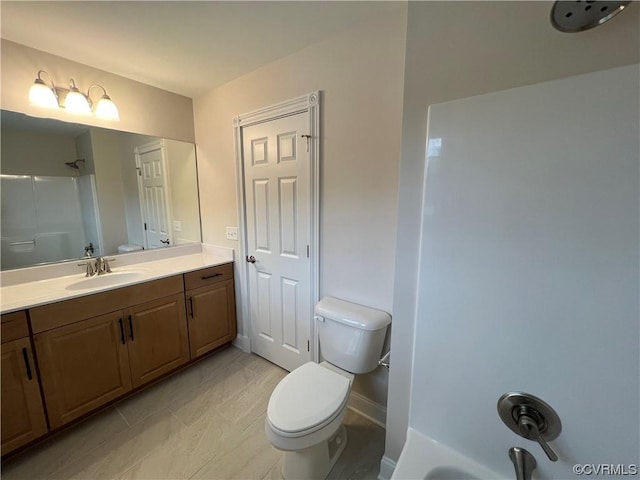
[(14, 326), (66, 312), (208, 276)]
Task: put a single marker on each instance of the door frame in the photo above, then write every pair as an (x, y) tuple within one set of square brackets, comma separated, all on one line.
[(309, 104), (138, 151)]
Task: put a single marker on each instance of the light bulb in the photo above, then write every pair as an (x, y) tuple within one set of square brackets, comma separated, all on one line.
[(40, 95), (76, 102), (106, 109)]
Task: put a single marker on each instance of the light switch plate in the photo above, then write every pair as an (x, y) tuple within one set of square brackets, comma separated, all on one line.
[(232, 233), (177, 226)]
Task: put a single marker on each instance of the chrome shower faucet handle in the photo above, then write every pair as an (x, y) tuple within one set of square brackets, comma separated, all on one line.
[(531, 418), (530, 428)]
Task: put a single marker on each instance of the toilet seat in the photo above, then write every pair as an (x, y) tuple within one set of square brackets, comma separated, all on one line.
[(306, 400)]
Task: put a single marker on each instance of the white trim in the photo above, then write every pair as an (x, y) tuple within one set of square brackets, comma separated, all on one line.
[(387, 467), (368, 408), (310, 104), (283, 109), (96, 212), (243, 343)]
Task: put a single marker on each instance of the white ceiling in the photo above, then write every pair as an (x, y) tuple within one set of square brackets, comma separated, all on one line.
[(181, 46)]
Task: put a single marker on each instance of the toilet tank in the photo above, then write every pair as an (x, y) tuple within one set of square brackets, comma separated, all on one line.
[(351, 335)]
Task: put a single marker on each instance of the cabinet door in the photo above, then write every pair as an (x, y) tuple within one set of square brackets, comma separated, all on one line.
[(22, 411), (83, 366), (212, 317), (158, 341)]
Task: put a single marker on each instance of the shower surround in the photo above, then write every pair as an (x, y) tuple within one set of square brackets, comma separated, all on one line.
[(47, 219)]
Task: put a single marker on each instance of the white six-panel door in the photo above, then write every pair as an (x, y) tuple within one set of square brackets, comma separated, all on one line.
[(154, 195), (277, 188)]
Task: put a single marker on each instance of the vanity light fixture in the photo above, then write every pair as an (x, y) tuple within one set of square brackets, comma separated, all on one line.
[(71, 99)]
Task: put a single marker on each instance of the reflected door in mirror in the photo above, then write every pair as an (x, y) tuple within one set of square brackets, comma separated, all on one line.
[(154, 191)]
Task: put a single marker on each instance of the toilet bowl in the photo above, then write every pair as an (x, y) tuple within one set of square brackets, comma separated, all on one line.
[(306, 409), (304, 419)]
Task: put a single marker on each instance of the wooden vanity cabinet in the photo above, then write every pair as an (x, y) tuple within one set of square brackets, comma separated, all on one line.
[(89, 355), (96, 348), (23, 418), (211, 308), (157, 338), (83, 365)]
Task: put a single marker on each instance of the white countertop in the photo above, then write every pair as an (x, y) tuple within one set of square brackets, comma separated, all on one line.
[(19, 290)]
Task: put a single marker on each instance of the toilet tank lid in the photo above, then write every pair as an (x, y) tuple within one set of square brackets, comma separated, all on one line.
[(352, 314)]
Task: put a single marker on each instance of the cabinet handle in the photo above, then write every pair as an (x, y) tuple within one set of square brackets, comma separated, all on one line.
[(207, 277), (130, 328), (26, 363), (122, 331), (191, 306)]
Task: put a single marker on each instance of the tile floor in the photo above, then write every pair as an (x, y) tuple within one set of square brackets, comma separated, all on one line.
[(206, 422)]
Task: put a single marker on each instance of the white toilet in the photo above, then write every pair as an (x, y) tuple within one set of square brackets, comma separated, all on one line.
[(306, 409), (130, 247)]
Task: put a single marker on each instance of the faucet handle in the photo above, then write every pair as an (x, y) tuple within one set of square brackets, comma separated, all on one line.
[(102, 265), (531, 418), (528, 427), (107, 267), (90, 271)]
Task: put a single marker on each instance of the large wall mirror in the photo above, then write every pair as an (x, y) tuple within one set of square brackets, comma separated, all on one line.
[(69, 188)]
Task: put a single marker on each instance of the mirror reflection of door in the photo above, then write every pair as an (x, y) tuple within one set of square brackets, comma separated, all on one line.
[(154, 191)]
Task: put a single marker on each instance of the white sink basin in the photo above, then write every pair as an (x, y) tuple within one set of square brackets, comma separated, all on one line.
[(112, 279)]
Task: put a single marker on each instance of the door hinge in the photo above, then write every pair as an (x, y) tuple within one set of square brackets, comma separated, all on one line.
[(145, 225), (307, 251), (307, 137), (308, 346)]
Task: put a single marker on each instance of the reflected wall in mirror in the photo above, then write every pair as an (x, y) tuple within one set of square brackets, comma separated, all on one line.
[(66, 187)]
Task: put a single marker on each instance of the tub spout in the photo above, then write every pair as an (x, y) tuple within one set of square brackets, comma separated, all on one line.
[(523, 462)]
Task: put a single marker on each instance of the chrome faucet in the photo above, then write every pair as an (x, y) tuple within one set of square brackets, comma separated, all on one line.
[(523, 462), (102, 265), (99, 267)]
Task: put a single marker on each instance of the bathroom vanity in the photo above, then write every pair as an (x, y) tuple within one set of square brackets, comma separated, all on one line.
[(63, 359)]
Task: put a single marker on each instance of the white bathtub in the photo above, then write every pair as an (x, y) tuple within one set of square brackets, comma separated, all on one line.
[(423, 458)]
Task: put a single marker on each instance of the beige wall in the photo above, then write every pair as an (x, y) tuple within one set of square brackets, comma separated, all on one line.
[(35, 153), (455, 50), (143, 109), (359, 73), (127, 145), (110, 189), (184, 191)]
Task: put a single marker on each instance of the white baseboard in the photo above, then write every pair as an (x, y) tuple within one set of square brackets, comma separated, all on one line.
[(243, 343), (387, 466), (367, 408)]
